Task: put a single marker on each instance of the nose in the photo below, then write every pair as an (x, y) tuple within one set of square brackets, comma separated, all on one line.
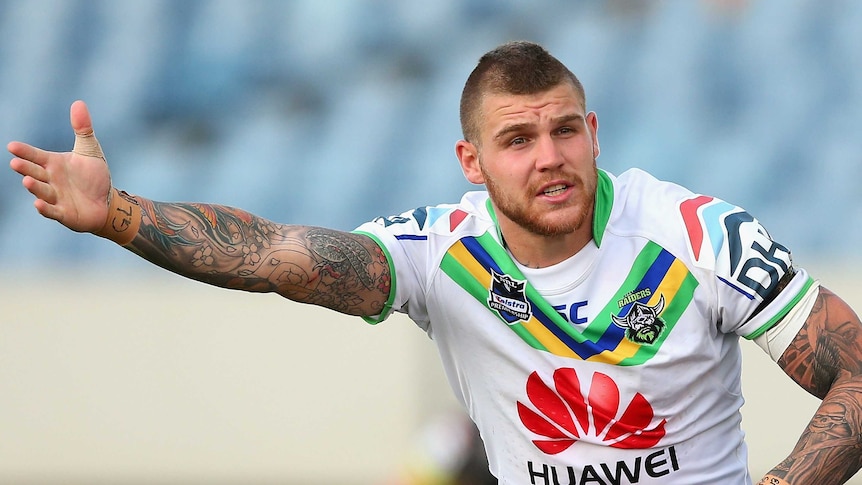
[(548, 154)]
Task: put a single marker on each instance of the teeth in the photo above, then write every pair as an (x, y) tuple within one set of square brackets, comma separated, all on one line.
[(555, 189)]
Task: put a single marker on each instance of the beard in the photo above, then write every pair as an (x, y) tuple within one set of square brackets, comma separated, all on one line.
[(544, 223)]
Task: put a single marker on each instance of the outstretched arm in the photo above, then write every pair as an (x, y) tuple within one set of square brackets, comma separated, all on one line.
[(231, 248), (215, 244), (825, 358)]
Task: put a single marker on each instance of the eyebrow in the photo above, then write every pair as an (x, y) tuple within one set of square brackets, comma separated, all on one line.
[(521, 126)]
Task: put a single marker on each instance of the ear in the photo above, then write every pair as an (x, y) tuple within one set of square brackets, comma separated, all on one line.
[(593, 124), (468, 155)]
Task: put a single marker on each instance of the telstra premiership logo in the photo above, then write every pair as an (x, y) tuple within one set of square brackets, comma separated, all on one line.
[(562, 414)]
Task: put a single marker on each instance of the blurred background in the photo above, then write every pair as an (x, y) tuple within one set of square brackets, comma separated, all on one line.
[(332, 112)]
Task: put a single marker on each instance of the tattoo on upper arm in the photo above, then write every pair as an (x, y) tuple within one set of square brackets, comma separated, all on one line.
[(349, 268), (826, 348), (339, 253), (231, 248)]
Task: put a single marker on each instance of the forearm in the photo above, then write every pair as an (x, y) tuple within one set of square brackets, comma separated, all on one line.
[(232, 248), (218, 245), (830, 449), (825, 358)]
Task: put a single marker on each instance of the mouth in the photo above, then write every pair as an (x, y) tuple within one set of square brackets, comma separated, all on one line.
[(553, 190)]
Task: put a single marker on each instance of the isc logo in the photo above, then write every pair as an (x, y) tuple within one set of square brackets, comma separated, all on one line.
[(570, 312)]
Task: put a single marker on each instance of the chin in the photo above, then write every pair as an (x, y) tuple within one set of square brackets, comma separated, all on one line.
[(561, 224), (553, 227)]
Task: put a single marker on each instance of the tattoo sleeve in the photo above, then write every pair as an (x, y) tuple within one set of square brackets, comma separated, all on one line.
[(825, 359), (231, 248)]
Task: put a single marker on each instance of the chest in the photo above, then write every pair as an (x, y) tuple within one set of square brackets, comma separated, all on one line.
[(618, 306)]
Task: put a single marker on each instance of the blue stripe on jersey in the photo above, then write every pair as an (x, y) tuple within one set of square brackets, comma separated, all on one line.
[(712, 221)]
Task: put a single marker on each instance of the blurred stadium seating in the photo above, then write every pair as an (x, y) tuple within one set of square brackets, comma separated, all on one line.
[(332, 112)]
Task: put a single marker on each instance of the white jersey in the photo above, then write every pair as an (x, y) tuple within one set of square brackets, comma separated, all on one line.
[(620, 365)]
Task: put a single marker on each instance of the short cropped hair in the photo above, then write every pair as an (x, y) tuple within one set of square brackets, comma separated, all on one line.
[(518, 68)]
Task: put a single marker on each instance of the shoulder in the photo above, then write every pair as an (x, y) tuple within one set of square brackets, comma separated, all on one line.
[(710, 230), (642, 205), (639, 189), (415, 242), (469, 215)]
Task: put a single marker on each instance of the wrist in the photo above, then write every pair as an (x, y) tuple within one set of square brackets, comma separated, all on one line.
[(770, 479), (124, 218)]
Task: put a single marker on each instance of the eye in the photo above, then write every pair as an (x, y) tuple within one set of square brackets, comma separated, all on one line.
[(565, 130), (518, 140)]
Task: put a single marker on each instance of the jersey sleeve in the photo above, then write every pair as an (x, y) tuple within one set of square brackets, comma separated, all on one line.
[(754, 277), (403, 239)]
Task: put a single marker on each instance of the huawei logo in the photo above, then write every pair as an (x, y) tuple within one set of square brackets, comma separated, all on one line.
[(563, 414)]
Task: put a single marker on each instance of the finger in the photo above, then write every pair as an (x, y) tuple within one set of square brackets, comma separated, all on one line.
[(48, 210), (85, 139), (28, 152), (40, 189), (15, 147), (28, 168), (79, 116)]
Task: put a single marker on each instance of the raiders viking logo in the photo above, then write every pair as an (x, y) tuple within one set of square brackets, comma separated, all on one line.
[(642, 322)]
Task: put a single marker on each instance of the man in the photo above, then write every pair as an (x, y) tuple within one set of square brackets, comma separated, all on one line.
[(588, 323)]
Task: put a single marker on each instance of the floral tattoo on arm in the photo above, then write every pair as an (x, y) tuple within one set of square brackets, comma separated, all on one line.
[(232, 248)]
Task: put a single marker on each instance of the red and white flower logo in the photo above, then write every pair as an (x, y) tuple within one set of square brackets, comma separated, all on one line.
[(562, 414)]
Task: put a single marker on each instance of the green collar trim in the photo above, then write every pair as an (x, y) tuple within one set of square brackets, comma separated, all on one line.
[(604, 205)]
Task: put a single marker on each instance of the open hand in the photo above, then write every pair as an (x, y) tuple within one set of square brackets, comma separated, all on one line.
[(70, 187)]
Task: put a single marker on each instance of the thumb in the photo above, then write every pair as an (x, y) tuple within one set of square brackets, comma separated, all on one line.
[(85, 140)]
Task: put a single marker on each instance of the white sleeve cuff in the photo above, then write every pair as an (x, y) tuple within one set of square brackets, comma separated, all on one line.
[(776, 340)]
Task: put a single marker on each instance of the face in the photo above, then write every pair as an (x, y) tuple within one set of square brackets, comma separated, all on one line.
[(536, 156)]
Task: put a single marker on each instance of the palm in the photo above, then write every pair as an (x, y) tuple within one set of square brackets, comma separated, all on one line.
[(72, 187), (82, 185)]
